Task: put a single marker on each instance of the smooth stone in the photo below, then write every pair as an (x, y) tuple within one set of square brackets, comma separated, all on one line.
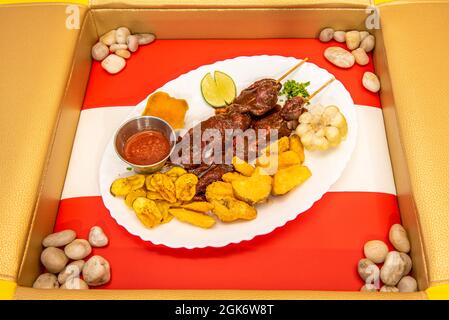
[(145, 38), (326, 35), (75, 284), (352, 40), (360, 56), (121, 35), (118, 46), (99, 51), (97, 237), (108, 38), (408, 263), (46, 281), (370, 82), (78, 249), (113, 64), (375, 250), (393, 269), (408, 284), (73, 269), (368, 43), (59, 239), (368, 288), (133, 43), (53, 259), (340, 36), (367, 268), (399, 238), (123, 53), (96, 271), (363, 35), (339, 57), (389, 289)]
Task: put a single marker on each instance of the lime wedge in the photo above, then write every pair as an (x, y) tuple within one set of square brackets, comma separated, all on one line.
[(219, 90)]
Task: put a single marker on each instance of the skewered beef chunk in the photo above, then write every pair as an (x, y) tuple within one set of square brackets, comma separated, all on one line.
[(274, 121), (215, 173), (259, 98), (293, 108)]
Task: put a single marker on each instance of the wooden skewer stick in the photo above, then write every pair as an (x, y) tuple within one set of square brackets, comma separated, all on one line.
[(328, 82), (291, 70)]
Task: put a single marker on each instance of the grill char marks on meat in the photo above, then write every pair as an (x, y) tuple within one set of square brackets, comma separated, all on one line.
[(259, 98)]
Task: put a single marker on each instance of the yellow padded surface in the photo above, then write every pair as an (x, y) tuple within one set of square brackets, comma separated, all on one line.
[(36, 56), (415, 36)]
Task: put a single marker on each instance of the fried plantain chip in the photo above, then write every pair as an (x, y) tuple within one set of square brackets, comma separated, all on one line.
[(192, 217), (232, 176), (136, 181), (148, 183), (254, 189), (165, 186), (242, 166), (133, 195), (200, 206), (288, 178), (176, 172), (296, 146), (230, 209), (218, 190), (120, 187), (147, 212), (185, 186), (153, 195), (163, 207)]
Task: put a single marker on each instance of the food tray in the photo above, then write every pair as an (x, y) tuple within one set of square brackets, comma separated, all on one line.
[(317, 251)]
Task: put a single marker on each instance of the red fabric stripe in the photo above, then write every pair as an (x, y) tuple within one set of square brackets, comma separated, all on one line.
[(164, 60), (317, 251)]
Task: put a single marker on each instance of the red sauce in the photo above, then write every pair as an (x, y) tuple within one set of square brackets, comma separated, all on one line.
[(146, 147)]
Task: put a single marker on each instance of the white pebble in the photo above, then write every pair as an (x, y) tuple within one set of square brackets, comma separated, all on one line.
[(145, 38), (108, 38), (99, 51), (352, 40), (360, 56), (340, 36), (339, 57), (368, 43), (408, 284), (133, 43), (97, 237), (326, 35), (113, 64), (59, 239), (399, 239), (121, 35), (371, 82), (363, 35), (375, 250), (117, 46)]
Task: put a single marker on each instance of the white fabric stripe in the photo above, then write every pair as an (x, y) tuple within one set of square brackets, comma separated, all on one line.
[(369, 170)]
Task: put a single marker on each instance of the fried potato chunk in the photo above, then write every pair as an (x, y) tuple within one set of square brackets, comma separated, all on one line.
[(254, 189), (192, 217), (296, 146), (200, 206), (232, 176), (133, 195), (165, 186), (288, 178), (230, 209), (242, 166), (147, 212), (288, 158), (219, 190), (185, 186), (281, 145)]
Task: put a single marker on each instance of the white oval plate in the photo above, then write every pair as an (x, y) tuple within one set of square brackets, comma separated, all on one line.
[(326, 166)]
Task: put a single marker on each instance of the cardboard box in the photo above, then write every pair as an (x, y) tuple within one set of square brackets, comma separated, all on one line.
[(54, 87)]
